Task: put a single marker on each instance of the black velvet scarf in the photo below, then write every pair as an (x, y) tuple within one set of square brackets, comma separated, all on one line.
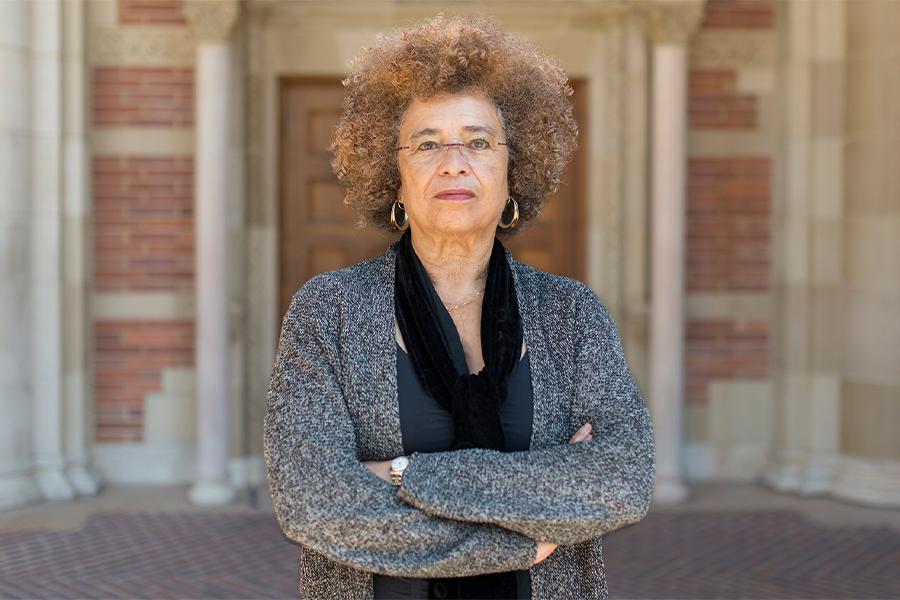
[(473, 399)]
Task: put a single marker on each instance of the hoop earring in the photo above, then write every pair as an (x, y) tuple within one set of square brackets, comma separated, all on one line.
[(405, 224), (515, 218)]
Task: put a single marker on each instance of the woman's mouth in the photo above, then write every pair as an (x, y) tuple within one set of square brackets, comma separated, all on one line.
[(455, 194)]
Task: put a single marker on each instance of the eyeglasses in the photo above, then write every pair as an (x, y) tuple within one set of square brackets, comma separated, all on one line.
[(478, 151)]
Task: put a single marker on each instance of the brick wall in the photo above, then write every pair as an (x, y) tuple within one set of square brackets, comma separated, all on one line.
[(714, 103), (142, 216), (729, 204), (142, 96), (143, 223), (130, 355), (739, 14), (724, 349), (150, 12), (728, 224)]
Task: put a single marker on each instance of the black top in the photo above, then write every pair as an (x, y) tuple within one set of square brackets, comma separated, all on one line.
[(426, 427)]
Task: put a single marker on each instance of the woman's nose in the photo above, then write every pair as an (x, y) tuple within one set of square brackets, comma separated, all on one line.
[(453, 160)]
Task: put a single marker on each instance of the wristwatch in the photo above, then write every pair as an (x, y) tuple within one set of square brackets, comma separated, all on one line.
[(398, 465)]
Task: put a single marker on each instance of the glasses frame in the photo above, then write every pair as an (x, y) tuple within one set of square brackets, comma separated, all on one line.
[(446, 146)]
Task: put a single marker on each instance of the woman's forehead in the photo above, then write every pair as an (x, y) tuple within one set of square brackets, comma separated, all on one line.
[(451, 114)]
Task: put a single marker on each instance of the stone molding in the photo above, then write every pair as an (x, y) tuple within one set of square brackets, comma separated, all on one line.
[(671, 21), (150, 47), (732, 49), (211, 20)]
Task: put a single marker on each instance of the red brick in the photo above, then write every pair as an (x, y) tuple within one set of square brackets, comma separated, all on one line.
[(722, 349), (143, 223), (142, 96), (713, 102), (130, 356), (728, 229), (150, 12), (739, 14)]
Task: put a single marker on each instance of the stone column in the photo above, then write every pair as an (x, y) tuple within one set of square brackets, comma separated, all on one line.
[(670, 24), (17, 486), (46, 245), (864, 230), (211, 22), (76, 231), (810, 325)]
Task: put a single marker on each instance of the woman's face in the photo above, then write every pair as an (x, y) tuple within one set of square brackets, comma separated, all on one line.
[(427, 168)]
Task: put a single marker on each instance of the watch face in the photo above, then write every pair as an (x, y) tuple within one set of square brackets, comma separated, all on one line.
[(400, 462)]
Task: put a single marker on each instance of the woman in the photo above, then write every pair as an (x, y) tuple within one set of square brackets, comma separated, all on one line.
[(419, 425)]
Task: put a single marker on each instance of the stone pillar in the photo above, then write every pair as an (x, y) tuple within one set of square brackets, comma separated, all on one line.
[(670, 24), (76, 214), (809, 329), (17, 486), (43, 430), (46, 245), (869, 237), (212, 22)]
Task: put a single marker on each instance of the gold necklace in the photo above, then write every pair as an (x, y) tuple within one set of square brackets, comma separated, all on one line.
[(451, 308)]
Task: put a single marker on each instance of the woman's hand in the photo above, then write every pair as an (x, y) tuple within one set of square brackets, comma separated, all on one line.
[(382, 468), (545, 549)]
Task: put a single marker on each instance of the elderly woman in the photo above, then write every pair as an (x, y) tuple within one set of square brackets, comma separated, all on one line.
[(444, 421)]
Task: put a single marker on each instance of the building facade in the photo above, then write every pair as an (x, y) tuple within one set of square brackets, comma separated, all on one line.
[(166, 188)]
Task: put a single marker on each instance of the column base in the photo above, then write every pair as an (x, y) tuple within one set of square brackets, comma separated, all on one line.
[(211, 493), (85, 481), (54, 484), (801, 472), (17, 491)]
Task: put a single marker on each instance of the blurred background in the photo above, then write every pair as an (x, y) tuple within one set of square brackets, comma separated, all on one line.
[(165, 188)]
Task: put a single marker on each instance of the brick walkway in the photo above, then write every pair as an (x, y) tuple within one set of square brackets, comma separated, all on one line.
[(689, 552)]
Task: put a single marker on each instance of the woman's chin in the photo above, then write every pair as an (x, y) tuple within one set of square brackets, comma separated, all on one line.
[(459, 228)]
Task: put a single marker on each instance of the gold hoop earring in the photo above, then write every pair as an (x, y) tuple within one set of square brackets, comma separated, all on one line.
[(405, 224), (515, 218)]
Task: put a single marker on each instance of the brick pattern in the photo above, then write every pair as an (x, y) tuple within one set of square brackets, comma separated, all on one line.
[(723, 349), (150, 12), (750, 554), (714, 103), (689, 554), (142, 96), (728, 237), (739, 14), (143, 238), (129, 359), (143, 223), (728, 213)]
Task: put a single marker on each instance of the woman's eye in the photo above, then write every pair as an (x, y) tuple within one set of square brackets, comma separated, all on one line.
[(480, 144), (424, 146)]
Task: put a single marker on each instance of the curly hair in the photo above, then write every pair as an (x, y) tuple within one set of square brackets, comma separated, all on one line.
[(441, 55)]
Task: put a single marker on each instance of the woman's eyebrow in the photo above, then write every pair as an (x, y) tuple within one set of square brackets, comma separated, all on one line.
[(467, 129)]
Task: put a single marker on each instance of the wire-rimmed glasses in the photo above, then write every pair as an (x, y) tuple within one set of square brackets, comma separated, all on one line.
[(478, 150)]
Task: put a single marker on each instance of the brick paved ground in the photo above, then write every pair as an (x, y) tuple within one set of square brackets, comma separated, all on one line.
[(694, 551)]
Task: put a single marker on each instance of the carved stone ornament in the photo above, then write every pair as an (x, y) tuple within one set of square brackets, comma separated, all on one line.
[(211, 20), (671, 21)]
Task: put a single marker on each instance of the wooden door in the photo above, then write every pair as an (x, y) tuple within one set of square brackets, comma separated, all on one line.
[(316, 231)]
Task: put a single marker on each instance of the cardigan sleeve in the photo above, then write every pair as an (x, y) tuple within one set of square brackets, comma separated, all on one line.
[(325, 498), (565, 494)]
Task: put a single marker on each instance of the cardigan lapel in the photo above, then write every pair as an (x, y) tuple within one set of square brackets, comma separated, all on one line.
[(545, 404)]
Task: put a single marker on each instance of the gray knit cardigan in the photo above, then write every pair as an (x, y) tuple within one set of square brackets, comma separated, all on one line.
[(332, 403)]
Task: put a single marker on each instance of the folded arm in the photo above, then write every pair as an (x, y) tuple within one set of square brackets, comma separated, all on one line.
[(565, 494), (325, 498)]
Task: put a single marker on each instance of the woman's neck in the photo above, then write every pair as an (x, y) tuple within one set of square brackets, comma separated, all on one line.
[(456, 266)]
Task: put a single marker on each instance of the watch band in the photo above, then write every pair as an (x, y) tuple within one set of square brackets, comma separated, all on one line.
[(398, 466)]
